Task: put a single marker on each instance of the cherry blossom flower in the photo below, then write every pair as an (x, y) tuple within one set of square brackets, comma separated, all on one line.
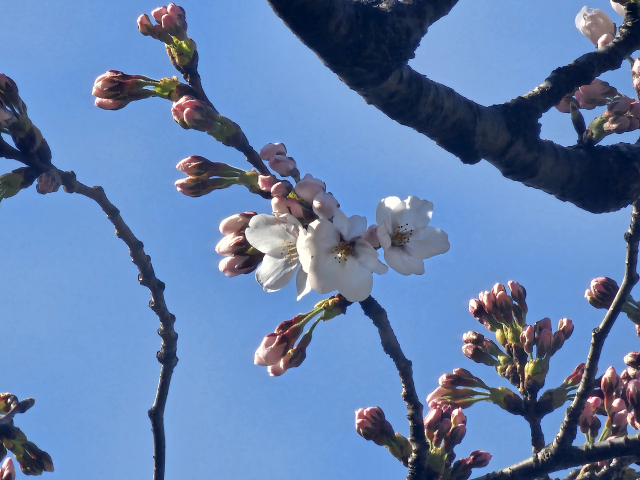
[(276, 237), (593, 23), (404, 235), (335, 256)]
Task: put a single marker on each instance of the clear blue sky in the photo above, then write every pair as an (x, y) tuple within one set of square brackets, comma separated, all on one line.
[(80, 338)]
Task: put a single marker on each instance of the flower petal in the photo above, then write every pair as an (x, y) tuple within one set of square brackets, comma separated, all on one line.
[(432, 241), (325, 273), (268, 234), (403, 262), (322, 236), (412, 212), (368, 257), (302, 284), (274, 273), (356, 281), (385, 207)]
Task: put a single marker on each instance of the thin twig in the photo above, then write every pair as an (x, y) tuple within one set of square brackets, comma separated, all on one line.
[(167, 354), (569, 427), (417, 438)]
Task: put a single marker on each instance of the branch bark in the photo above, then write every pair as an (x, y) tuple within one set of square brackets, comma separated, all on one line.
[(367, 44), (417, 438), (167, 353)]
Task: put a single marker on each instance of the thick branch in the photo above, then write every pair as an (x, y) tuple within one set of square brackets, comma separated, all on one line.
[(569, 426), (390, 344), (167, 354), (539, 465), (360, 42)]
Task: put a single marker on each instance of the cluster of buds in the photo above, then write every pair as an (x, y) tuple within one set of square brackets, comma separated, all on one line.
[(172, 30), (240, 257), (277, 350), (445, 427), (597, 94), (205, 176), (115, 90), (307, 201), (506, 316), (461, 389), (622, 115), (556, 397), (32, 460), (371, 424), (15, 122), (603, 291)]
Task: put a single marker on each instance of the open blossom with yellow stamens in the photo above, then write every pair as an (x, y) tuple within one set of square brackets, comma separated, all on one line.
[(276, 237), (405, 236), (335, 256)]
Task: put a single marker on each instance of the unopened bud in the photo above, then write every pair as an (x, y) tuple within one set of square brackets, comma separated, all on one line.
[(271, 150), (602, 292), (239, 264), (325, 205), (198, 186), (566, 327), (527, 339), (282, 165), (543, 343), (308, 188), (576, 376), (197, 166), (478, 355), (633, 360), (7, 471)]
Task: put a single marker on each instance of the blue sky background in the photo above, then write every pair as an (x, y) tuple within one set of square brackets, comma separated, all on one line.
[(80, 338)]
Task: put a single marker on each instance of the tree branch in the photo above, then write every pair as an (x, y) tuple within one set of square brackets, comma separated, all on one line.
[(417, 438), (569, 427), (167, 354), (544, 463), (368, 45)]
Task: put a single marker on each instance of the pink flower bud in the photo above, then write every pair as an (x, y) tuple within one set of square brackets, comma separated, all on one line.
[(281, 189), (282, 165), (617, 124), (276, 370), (479, 355), (618, 6), (543, 343), (633, 393), (279, 205), (325, 205), (158, 13), (308, 188), (198, 186), (504, 303), (617, 405), (518, 292), (587, 103), (565, 105), (632, 420), (272, 149), (458, 417), (544, 324), (634, 109), (576, 376), (189, 112), (476, 309), (295, 208), (497, 288), (454, 437), (473, 338), (603, 291), (556, 342), (633, 360), (197, 166), (437, 393), (144, 25), (270, 350), (634, 124), (593, 23), (236, 265), (620, 105), (566, 327), (609, 385), (232, 245), (605, 40), (371, 236), (619, 420), (236, 223), (7, 471), (488, 300), (48, 182), (372, 425), (110, 104), (6, 117), (266, 182), (479, 459), (527, 338)]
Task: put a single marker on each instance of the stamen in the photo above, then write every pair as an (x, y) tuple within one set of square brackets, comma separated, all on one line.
[(289, 251), (343, 251), (401, 235)]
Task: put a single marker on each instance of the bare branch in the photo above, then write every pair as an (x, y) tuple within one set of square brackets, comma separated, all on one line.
[(167, 354), (417, 438), (357, 42), (569, 427)]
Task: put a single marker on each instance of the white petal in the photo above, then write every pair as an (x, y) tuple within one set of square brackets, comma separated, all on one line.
[(384, 234), (413, 212), (357, 281), (269, 234), (357, 226), (274, 273), (322, 237), (368, 257), (304, 256), (302, 284), (402, 262), (385, 207), (432, 241), (325, 273)]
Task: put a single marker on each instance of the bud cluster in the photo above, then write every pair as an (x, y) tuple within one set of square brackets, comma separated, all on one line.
[(445, 427), (205, 176), (277, 350), (172, 30), (372, 425), (15, 122), (240, 257), (115, 90), (506, 316)]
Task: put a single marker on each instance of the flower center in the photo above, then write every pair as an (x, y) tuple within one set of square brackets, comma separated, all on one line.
[(343, 251), (401, 235), (289, 251)]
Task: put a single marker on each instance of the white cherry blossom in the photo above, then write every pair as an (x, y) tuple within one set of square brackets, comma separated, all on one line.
[(593, 23), (276, 237), (404, 235), (335, 257)]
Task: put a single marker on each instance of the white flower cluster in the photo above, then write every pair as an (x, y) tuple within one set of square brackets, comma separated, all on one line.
[(340, 253)]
